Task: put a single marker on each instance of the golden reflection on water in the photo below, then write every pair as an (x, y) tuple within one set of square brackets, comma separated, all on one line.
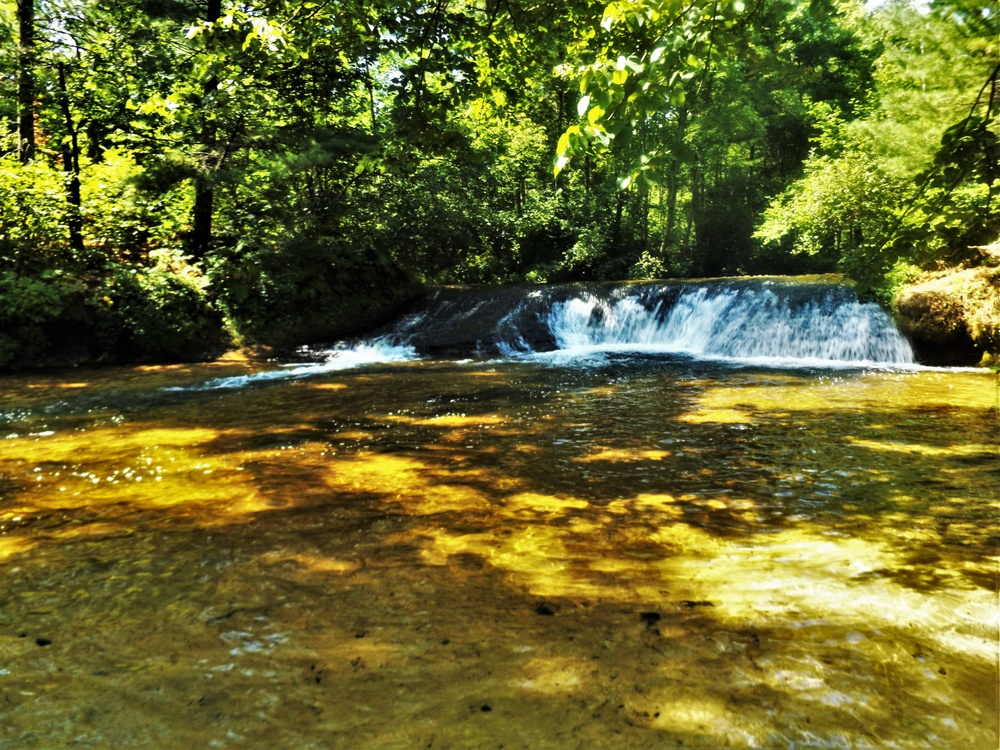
[(450, 556)]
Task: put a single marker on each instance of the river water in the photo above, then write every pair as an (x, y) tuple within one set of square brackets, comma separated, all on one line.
[(607, 546)]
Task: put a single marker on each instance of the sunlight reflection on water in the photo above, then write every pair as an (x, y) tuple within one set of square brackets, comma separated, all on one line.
[(634, 554)]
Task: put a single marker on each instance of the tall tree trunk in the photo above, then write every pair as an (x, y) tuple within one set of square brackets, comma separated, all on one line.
[(673, 174), (695, 203), (616, 227), (71, 166), (201, 215), (644, 224), (370, 86), (26, 80), (204, 190), (672, 188)]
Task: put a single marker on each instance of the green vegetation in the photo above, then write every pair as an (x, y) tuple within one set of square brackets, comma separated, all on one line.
[(180, 175)]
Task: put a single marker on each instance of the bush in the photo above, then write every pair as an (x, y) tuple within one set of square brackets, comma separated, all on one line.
[(306, 290), (30, 306), (158, 313), (128, 209), (33, 234)]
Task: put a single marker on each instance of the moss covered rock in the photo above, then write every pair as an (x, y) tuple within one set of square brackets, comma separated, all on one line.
[(953, 316)]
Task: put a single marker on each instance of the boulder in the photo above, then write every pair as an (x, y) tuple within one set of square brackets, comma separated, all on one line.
[(953, 316)]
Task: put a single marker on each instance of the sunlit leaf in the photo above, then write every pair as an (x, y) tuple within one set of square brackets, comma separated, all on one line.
[(563, 146)]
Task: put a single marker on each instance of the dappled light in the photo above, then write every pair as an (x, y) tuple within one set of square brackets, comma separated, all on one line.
[(58, 386), (930, 451), (441, 554), (511, 375), (618, 454), (143, 467), (10, 546)]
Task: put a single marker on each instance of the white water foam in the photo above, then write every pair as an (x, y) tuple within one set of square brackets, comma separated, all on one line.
[(756, 326), (759, 325), (341, 357)]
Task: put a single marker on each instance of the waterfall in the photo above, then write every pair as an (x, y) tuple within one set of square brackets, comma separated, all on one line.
[(739, 323), (779, 320), (784, 322)]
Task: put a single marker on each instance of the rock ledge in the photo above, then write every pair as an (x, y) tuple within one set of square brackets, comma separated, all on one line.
[(953, 316)]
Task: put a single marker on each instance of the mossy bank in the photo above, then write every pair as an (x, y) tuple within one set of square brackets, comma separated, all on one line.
[(173, 312), (952, 316)]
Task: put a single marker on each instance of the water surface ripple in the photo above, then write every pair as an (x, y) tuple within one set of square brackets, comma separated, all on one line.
[(644, 552)]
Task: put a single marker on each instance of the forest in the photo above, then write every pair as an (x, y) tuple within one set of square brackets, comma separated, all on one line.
[(178, 177)]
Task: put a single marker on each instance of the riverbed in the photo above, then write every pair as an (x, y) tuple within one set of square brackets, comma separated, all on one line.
[(626, 552)]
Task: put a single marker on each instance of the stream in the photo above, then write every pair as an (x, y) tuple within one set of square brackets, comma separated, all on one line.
[(728, 514)]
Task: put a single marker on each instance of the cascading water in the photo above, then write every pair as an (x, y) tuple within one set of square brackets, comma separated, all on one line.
[(735, 323), (778, 321)]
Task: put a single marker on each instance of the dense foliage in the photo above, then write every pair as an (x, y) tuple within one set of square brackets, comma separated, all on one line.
[(179, 174)]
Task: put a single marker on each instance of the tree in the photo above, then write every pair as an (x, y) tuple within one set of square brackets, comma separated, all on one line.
[(26, 80), (211, 160), (654, 55), (279, 157), (927, 148)]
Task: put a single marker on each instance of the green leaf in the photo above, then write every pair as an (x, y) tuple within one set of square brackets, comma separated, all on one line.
[(596, 113), (563, 146)]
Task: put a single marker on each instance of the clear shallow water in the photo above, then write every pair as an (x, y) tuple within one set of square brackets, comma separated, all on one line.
[(638, 553)]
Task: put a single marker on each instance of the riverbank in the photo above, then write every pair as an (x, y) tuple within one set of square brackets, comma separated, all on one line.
[(953, 315), (176, 317)]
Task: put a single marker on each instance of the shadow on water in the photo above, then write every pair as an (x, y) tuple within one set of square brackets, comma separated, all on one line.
[(482, 555)]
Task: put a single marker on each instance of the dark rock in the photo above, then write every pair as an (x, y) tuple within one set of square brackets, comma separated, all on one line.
[(650, 618)]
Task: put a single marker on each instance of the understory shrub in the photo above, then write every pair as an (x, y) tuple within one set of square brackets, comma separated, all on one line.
[(158, 314), (309, 289), (31, 305), (33, 234)]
